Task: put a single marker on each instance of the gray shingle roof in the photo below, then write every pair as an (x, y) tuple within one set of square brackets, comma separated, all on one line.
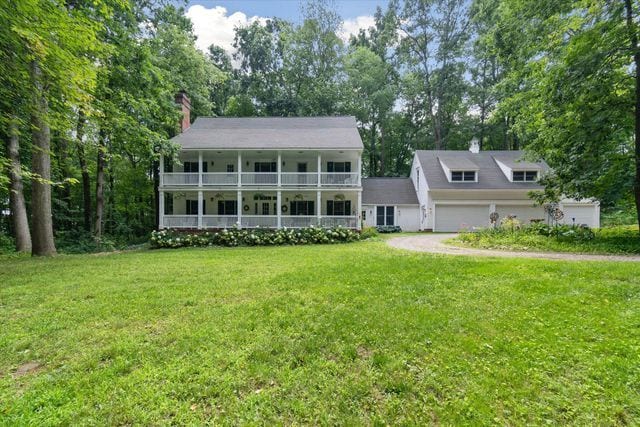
[(339, 132), (388, 191), (490, 176)]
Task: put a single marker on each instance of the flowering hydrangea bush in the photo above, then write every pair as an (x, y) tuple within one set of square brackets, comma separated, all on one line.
[(253, 237)]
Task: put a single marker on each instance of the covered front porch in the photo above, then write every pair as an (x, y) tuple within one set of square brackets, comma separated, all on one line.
[(259, 209)]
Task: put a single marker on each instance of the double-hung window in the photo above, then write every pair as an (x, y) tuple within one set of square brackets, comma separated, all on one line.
[(525, 176), (463, 176), (340, 167)]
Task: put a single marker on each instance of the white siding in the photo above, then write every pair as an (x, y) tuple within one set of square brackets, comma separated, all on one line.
[(583, 214), (456, 217), (407, 217)]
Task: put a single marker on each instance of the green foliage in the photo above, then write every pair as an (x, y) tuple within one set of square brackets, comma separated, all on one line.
[(561, 238), (357, 334), (388, 229), (256, 237), (368, 233), (240, 106)]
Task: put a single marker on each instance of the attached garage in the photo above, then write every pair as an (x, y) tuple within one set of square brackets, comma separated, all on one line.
[(582, 214), (456, 217), (523, 213)]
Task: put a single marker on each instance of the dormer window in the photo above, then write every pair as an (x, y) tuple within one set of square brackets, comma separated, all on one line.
[(525, 176), (463, 176)]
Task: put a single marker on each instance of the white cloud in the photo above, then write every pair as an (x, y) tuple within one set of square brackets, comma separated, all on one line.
[(353, 26), (213, 26)]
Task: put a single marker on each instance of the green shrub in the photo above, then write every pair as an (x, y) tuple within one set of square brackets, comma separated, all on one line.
[(368, 233), (253, 237), (388, 229), (7, 244)]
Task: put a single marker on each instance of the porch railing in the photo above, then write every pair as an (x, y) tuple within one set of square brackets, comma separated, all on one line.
[(339, 179), (219, 178), (180, 221), (298, 221), (219, 221), (299, 178), (339, 221), (259, 178), (180, 178), (263, 221)]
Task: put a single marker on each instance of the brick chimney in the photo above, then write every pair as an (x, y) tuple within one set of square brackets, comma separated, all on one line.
[(184, 103)]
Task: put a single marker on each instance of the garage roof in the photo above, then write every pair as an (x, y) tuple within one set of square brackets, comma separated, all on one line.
[(388, 191), (335, 132), (490, 176)]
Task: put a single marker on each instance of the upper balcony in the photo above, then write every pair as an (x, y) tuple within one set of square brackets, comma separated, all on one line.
[(297, 169)]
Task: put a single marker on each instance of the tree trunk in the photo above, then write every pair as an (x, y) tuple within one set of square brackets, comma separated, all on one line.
[(100, 187), (86, 181), (41, 221), (64, 192), (16, 194), (633, 39)]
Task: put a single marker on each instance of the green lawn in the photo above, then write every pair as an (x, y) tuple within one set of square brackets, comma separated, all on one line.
[(346, 334), (612, 240)]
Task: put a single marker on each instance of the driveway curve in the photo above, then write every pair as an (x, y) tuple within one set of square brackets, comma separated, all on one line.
[(433, 243)]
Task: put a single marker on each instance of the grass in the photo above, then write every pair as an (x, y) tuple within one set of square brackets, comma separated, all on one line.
[(345, 334), (613, 240)]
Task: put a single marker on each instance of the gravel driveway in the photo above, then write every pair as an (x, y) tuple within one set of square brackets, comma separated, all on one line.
[(433, 243)]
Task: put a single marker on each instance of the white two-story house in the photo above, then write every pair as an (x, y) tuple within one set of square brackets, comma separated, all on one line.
[(267, 172)]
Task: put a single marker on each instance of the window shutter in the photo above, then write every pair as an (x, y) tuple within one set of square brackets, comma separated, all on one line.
[(347, 207), (347, 167), (329, 166), (204, 166), (329, 207)]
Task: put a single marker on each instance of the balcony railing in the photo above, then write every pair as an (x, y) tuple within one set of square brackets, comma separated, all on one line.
[(299, 178), (219, 178), (298, 221), (259, 178), (180, 178), (339, 179), (287, 179)]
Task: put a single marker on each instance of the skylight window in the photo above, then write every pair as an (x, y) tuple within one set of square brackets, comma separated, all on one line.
[(525, 176), (463, 176)]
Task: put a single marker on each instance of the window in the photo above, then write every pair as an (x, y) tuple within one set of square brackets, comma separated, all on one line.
[(265, 167), (459, 176), (302, 207), (385, 215), (339, 207), (344, 167), (231, 168), (192, 207), (227, 207), (192, 167), (525, 176), (168, 204)]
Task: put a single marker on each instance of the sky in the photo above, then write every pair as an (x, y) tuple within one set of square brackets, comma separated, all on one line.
[(214, 20)]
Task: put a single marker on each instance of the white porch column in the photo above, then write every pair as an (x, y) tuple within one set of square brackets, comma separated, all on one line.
[(279, 169), (318, 206), (200, 203), (359, 169), (239, 205), (160, 209), (161, 172), (199, 168), (239, 170), (278, 203), (319, 169), (359, 211)]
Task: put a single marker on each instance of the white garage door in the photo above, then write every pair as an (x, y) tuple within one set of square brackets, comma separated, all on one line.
[(460, 217), (523, 213), (581, 214)]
